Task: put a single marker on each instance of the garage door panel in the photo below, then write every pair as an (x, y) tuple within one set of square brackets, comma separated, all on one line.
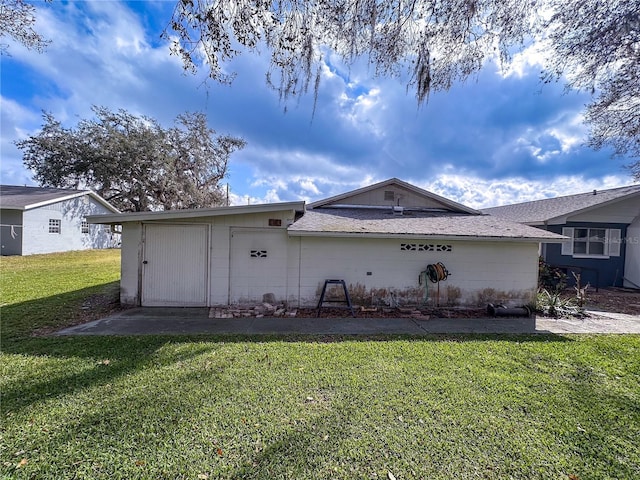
[(175, 265)]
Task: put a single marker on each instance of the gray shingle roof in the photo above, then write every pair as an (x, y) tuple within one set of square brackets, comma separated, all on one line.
[(376, 222), (540, 211), (22, 198)]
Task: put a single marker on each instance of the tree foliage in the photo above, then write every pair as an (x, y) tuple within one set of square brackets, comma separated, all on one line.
[(132, 161), (595, 45), (17, 19)]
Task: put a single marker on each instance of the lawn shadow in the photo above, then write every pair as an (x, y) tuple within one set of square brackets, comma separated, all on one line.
[(111, 358), (126, 354), (47, 314)]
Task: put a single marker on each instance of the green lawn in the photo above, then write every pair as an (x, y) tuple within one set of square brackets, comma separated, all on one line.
[(302, 407)]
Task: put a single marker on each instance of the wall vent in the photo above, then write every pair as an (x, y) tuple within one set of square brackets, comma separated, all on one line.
[(275, 222), (425, 247), (389, 195)]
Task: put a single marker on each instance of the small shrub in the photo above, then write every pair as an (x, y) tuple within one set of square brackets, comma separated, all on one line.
[(453, 295), (358, 294), (550, 278), (486, 295), (554, 304)]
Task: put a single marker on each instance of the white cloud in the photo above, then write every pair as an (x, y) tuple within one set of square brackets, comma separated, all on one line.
[(480, 193), (529, 60), (16, 123)]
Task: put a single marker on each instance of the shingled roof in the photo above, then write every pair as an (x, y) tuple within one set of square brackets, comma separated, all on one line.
[(16, 197), (415, 223), (538, 212)]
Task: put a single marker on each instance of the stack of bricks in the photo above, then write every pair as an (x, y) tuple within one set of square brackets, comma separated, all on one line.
[(256, 311)]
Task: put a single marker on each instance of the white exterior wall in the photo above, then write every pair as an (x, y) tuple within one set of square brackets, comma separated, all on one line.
[(499, 271), (632, 258), (510, 269), (619, 212), (222, 227), (71, 213), (220, 230)]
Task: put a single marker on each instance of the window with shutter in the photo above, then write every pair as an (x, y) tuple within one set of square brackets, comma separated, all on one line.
[(591, 242), (613, 242), (567, 245)]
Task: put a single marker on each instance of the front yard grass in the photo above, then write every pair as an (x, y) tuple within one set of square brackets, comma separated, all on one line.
[(310, 407)]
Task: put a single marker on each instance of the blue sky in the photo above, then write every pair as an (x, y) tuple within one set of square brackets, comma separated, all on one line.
[(500, 137)]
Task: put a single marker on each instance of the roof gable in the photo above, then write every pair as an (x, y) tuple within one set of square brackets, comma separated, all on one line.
[(17, 197), (390, 193)]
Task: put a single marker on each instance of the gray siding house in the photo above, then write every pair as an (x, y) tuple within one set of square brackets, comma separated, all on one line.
[(46, 220), (603, 227)]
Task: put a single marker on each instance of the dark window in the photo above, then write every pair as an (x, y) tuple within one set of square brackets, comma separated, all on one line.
[(589, 241)]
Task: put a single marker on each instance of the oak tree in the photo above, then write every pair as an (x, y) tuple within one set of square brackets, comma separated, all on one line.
[(132, 161), (17, 20)]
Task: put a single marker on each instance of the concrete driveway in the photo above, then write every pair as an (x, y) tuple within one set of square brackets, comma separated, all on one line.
[(172, 321)]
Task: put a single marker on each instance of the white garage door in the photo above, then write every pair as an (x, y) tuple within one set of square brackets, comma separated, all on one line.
[(174, 267), (258, 265)]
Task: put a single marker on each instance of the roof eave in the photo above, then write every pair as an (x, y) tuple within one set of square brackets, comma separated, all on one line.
[(126, 217), (562, 218), (425, 236), (71, 196)]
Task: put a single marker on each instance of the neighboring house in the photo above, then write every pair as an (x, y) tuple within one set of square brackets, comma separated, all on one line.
[(46, 220), (603, 227), (377, 239)]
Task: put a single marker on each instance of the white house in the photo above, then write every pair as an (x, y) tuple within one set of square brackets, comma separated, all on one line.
[(46, 220), (378, 239)]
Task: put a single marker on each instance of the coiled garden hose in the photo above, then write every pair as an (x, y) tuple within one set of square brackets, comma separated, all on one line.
[(437, 272)]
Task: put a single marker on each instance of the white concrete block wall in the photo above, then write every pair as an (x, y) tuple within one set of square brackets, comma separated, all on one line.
[(221, 244), (509, 268), (219, 249), (71, 213)]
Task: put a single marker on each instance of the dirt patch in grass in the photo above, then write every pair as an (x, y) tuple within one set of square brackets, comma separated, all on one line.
[(94, 307), (617, 300)]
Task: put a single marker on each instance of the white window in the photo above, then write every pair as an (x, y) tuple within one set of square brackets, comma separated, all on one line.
[(84, 227), (54, 225), (591, 242)]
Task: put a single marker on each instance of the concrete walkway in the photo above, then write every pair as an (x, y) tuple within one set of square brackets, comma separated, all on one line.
[(151, 321)]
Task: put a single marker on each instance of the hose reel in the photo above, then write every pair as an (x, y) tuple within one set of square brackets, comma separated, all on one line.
[(436, 273)]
